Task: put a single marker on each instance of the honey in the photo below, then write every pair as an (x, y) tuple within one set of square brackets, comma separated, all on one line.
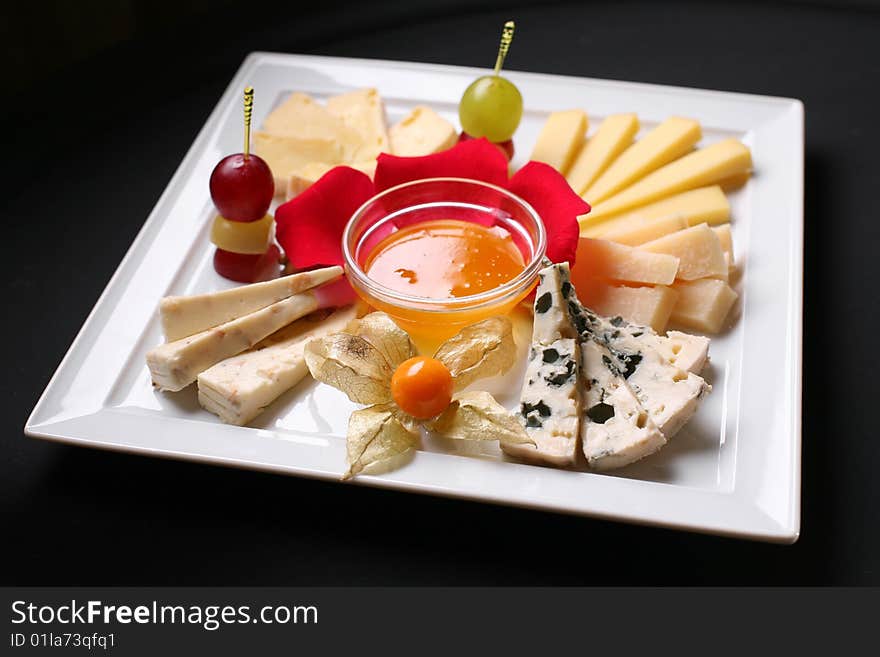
[(445, 259)]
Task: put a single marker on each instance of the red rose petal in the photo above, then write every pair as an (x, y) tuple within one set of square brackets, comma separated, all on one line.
[(477, 159), (309, 227), (546, 190)]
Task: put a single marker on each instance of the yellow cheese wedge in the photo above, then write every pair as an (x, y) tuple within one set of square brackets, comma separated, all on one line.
[(303, 178), (607, 260), (421, 132), (364, 112), (726, 239), (704, 205), (706, 166), (698, 250), (734, 182), (612, 137), (703, 304), (667, 142), (286, 154), (646, 306), (639, 230), (560, 139)]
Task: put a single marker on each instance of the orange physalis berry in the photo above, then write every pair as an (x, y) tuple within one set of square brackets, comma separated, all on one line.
[(422, 387)]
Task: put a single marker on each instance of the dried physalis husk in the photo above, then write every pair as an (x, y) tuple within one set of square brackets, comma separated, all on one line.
[(380, 331), (376, 434), (351, 364), (475, 415), (478, 351)]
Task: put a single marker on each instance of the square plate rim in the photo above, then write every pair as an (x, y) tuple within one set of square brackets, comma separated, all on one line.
[(755, 527)]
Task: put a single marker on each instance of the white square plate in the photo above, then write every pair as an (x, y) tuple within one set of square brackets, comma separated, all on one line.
[(735, 469)]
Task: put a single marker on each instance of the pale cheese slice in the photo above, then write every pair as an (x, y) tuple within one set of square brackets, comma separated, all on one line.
[(703, 304), (305, 177), (174, 365), (363, 111), (670, 140), (612, 137), (704, 205), (615, 429), (287, 154), (640, 230), (706, 166), (183, 316), (698, 250), (421, 132), (240, 388), (560, 139), (646, 306), (609, 260), (302, 116)]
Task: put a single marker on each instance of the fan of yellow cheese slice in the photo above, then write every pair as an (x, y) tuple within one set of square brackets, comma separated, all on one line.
[(656, 247)]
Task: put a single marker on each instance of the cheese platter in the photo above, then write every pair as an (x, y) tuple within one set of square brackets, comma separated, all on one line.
[(645, 367)]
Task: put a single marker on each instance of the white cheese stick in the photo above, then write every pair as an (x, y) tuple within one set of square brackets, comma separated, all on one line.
[(174, 365), (615, 429), (188, 315), (239, 388), (550, 404)]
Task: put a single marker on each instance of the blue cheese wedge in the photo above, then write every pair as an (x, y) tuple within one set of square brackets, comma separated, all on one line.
[(615, 429), (668, 393), (174, 365), (550, 404), (239, 388), (185, 316), (553, 320)]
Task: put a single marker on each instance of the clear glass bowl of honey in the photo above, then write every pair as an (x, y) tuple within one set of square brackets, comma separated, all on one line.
[(441, 253)]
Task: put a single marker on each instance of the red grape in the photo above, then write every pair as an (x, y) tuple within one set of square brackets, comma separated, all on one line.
[(242, 187), (506, 147), (248, 268)]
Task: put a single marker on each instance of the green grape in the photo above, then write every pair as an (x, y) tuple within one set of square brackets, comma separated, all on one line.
[(491, 107)]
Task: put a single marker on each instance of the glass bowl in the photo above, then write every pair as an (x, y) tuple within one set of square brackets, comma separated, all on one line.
[(431, 320)]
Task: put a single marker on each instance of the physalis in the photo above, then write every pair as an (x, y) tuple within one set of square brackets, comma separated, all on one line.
[(374, 362)]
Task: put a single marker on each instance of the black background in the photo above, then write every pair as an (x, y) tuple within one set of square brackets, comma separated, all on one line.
[(95, 123)]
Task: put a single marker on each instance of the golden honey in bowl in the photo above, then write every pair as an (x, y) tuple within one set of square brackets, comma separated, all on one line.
[(445, 258), (439, 254)]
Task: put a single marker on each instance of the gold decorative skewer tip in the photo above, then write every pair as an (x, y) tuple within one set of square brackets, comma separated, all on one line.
[(506, 39), (248, 111)]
